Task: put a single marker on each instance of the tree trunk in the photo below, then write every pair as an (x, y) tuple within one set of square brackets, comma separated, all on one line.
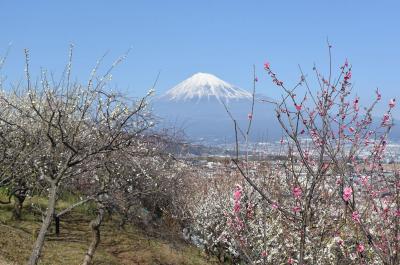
[(303, 235), (302, 242), (122, 223), (57, 216), (95, 226), (57, 224), (38, 246), (18, 203)]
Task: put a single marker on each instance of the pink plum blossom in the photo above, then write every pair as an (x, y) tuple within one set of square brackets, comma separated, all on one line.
[(347, 192), (237, 196), (297, 192), (296, 209), (385, 119), (355, 216), (360, 248), (364, 180)]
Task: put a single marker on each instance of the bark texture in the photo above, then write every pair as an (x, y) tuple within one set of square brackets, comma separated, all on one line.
[(38, 246), (95, 226)]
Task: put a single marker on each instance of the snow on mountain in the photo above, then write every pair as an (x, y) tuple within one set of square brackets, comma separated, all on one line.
[(203, 85), (194, 106)]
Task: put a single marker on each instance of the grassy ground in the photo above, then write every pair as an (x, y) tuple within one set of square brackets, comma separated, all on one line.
[(129, 246)]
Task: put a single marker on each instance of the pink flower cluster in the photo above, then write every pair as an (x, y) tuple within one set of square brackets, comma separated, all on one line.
[(236, 222), (360, 248), (346, 71), (237, 195), (267, 67), (296, 209), (297, 192), (385, 119), (356, 217), (347, 192), (364, 180), (298, 107)]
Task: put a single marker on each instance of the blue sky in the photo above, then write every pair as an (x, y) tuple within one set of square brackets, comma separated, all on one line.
[(180, 38)]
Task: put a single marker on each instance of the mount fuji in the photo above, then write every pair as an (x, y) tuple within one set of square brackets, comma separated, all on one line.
[(196, 105), (203, 85)]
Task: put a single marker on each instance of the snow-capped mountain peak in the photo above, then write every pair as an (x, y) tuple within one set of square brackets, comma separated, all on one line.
[(203, 85)]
